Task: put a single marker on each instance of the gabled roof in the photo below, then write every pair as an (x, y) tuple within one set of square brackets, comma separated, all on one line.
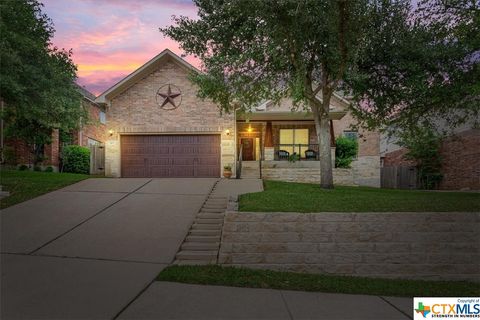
[(85, 93), (141, 72)]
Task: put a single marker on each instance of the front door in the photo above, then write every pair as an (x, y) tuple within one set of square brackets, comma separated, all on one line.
[(247, 149)]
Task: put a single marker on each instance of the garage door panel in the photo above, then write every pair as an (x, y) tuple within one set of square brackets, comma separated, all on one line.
[(170, 155)]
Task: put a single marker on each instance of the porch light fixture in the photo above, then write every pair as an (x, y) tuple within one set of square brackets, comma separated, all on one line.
[(110, 132), (227, 132), (249, 129)]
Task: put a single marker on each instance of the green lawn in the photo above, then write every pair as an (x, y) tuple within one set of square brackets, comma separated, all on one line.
[(303, 197), (241, 277), (24, 185)]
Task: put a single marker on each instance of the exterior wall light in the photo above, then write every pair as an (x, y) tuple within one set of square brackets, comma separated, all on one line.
[(227, 132), (249, 129), (110, 132)]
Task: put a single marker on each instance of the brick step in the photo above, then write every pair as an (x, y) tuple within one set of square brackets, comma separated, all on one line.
[(197, 255), (203, 246), (197, 239), (214, 206), (205, 226), (212, 210), (210, 215), (212, 233), (216, 203), (200, 220)]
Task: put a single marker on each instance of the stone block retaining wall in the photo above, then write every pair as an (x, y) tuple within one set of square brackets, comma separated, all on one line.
[(430, 246), (364, 171)]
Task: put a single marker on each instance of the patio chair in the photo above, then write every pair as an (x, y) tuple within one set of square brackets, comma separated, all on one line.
[(283, 155), (310, 154)]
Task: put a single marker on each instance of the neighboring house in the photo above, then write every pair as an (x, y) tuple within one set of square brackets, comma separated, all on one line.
[(158, 127), (91, 133), (459, 151)]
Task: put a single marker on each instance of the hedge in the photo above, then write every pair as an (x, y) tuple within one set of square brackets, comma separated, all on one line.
[(76, 159)]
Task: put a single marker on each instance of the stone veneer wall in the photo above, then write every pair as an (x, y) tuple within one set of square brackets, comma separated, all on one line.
[(365, 171), (433, 246), (135, 111)]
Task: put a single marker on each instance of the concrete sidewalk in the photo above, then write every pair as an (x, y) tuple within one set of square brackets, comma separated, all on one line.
[(167, 300)]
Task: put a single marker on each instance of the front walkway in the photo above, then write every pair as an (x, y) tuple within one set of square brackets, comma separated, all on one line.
[(167, 300)]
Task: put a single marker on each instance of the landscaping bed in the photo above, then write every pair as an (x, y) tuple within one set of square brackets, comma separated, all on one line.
[(302, 197), (25, 185), (242, 277)]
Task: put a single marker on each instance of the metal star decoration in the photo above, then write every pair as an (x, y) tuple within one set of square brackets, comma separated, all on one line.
[(169, 97)]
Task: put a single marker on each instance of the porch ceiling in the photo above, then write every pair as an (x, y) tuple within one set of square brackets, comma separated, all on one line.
[(263, 116)]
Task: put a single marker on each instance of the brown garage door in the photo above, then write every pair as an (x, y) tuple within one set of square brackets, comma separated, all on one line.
[(170, 156)]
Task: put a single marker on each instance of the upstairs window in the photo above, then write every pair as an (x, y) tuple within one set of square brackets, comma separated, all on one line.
[(103, 118)]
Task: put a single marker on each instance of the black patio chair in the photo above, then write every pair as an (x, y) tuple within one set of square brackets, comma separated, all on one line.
[(310, 154), (283, 155)]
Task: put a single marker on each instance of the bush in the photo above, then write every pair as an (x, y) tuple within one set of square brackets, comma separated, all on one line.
[(49, 169), (345, 152), (76, 159), (23, 167), (37, 168)]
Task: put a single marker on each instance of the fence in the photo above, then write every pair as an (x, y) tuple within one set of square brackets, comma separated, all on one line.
[(399, 177), (97, 159)]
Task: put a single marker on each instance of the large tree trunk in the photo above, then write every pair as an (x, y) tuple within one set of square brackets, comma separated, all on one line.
[(322, 126)]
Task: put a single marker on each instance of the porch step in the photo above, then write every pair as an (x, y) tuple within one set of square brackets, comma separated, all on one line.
[(198, 239), (202, 246), (210, 255)]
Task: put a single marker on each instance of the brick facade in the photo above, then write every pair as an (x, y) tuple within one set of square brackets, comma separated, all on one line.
[(136, 111), (94, 129), (460, 160)]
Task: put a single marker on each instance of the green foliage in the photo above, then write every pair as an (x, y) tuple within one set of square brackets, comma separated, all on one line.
[(227, 167), (24, 185), (37, 81), (23, 167), (293, 158), (254, 278), (76, 159), (49, 169), (418, 64), (423, 146), (345, 151)]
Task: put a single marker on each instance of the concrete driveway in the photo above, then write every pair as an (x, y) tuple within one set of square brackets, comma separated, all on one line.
[(87, 250)]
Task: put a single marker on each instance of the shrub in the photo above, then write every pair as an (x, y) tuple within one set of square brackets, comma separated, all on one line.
[(37, 168), (49, 169), (345, 152), (294, 157), (23, 167), (76, 159), (423, 145)]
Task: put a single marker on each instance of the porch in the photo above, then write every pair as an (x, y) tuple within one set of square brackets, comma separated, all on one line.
[(265, 145)]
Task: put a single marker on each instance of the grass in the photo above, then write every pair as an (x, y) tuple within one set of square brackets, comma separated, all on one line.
[(24, 185), (250, 278), (303, 197)]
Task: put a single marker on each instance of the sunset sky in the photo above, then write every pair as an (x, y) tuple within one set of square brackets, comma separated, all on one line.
[(111, 38)]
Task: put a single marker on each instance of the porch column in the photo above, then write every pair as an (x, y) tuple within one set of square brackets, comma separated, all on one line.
[(268, 144), (332, 143)]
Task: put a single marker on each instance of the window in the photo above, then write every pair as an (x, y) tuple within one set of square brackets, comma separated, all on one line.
[(294, 141), (351, 134), (103, 118)]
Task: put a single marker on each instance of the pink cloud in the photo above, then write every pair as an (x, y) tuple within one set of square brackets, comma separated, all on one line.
[(112, 38)]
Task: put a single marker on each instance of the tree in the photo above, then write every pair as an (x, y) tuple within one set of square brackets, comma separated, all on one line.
[(257, 50), (37, 79), (419, 66)]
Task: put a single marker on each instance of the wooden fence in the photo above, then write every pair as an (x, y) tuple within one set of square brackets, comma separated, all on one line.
[(399, 177), (97, 159)]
